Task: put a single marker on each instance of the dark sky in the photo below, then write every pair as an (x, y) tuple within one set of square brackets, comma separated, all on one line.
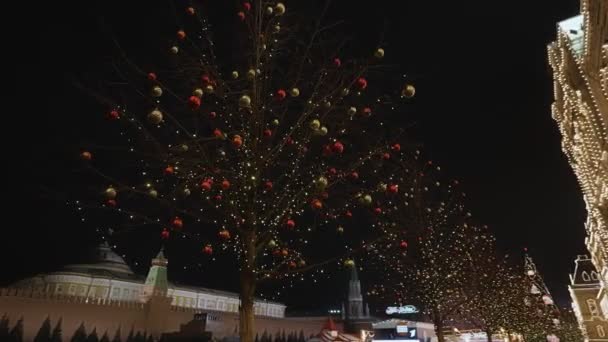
[(484, 93)]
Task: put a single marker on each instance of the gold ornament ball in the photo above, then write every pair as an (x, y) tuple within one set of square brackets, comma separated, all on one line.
[(275, 122), (198, 92), (367, 199), (209, 89), (245, 101), (153, 193), (408, 91), (272, 244), (345, 92), (235, 75), (315, 124), (174, 50), (155, 117), (187, 192), (322, 182), (250, 74), (379, 53), (352, 111), (349, 263), (157, 91), (277, 28), (269, 10), (111, 193), (323, 131), (295, 92), (279, 9), (327, 104)]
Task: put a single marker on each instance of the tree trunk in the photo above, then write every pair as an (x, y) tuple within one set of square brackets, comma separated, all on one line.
[(439, 331), (248, 282), (489, 335)]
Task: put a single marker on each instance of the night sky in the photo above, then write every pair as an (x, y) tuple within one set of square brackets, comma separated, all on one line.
[(483, 113)]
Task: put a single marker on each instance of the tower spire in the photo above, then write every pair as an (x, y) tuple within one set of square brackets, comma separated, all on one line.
[(157, 284)]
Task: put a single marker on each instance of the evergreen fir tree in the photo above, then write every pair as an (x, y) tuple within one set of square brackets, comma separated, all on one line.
[(277, 336), (283, 337), (44, 333), (16, 334), (56, 336), (150, 338), (269, 338), (257, 338), (80, 335), (117, 336), (105, 337), (93, 336), (130, 337), (301, 337), (4, 327), (139, 337)]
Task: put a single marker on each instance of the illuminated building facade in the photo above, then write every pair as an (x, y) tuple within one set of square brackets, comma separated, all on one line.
[(579, 59), (584, 288)]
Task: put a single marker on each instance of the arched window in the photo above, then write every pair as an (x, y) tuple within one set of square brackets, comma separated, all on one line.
[(585, 276), (594, 276), (600, 331), (592, 306)]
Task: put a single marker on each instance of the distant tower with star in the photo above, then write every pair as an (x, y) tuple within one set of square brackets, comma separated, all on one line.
[(156, 284), (355, 312)]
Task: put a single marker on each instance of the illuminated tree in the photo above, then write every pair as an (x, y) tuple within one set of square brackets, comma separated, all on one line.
[(432, 269), (267, 151)]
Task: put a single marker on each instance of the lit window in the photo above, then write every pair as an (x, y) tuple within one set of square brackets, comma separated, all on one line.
[(600, 331), (585, 276), (592, 305), (72, 289)]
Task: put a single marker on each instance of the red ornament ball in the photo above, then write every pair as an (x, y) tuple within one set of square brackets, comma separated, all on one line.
[(206, 79), (337, 147), (177, 223), (169, 170), (208, 250), (386, 156), (267, 133), (268, 185), (190, 10), (289, 141), (212, 115), (325, 195), (247, 6), (114, 115), (367, 111), (393, 188), (396, 147), (165, 234), (292, 264), (377, 211), (194, 102), (111, 203), (241, 15), (403, 244), (332, 171), (225, 184), (86, 155), (181, 35), (284, 252), (217, 198), (151, 76), (361, 83), (218, 133), (290, 224), (354, 175), (224, 234), (337, 62), (348, 214), (206, 185), (317, 204), (281, 94), (237, 141)]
